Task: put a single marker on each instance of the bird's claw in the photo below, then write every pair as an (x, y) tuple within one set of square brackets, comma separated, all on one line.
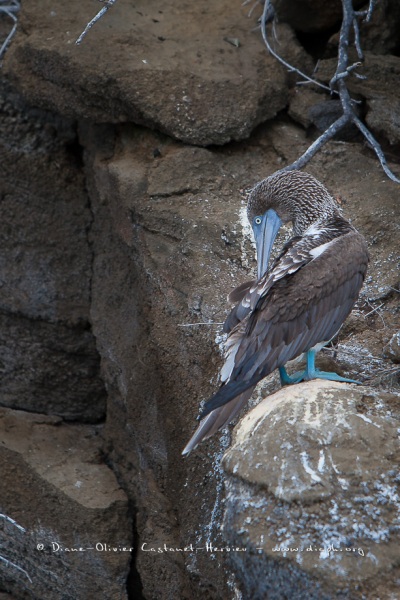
[(333, 377)]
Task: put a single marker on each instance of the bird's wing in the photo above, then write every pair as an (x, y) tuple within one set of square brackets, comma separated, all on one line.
[(301, 307), (239, 292), (294, 255), (242, 295)]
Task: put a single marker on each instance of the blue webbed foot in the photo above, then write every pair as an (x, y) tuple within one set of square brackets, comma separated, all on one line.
[(332, 377), (311, 373)]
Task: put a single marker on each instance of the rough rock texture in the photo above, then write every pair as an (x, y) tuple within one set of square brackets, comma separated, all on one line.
[(57, 487), (392, 350), (310, 15), (378, 88), (49, 362), (384, 118), (381, 34), (45, 217), (61, 376), (311, 108), (309, 495), (151, 217), (151, 65), (300, 102)]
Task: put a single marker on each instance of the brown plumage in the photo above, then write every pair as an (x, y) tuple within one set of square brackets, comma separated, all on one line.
[(299, 303)]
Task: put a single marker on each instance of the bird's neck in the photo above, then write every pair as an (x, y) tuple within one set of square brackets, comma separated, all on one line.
[(334, 224)]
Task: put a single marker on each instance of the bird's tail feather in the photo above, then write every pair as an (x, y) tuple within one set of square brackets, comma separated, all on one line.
[(217, 419), (230, 390)]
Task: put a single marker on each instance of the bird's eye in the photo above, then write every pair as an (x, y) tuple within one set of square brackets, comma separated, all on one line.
[(257, 220)]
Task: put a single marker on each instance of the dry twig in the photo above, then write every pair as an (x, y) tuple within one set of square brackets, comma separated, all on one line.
[(101, 12), (267, 16), (337, 83), (9, 8), (7, 562), (201, 323)]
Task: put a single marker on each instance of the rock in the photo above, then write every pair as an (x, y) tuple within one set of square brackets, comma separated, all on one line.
[(184, 170), (311, 108), (155, 223), (324, 114), (310, 15), (380, 35), (50, 369), (48, 357), (392, 350), (312, 493), (168, 70), (45, 260), (301, 101), (56, 486), (384, 118), (379, 88), (166, 240)]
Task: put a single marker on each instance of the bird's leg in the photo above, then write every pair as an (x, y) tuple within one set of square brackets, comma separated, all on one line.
[(311, 372), (287, 379)]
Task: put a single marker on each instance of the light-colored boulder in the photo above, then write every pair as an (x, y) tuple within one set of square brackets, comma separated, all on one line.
[(313, 490), (56, 486)]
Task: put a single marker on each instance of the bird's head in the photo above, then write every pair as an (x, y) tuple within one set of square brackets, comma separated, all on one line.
[(291, 196)]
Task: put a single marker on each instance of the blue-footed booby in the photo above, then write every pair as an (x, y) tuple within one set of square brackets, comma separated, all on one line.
[(298, 304)]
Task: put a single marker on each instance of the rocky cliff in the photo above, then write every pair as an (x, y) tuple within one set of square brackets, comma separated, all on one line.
[(124, 163)]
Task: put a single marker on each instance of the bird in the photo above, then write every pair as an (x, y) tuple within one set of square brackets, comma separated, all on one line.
[(295, 306)]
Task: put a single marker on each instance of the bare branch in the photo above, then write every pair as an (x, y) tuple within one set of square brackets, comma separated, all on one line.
[(13, 522), (10, 9), (94, 20), (371, 7), (337, 83), (7, 562), (252, 8), (268, 15), (319, 142), (357, 41), (376, 147), (338, 79), (345, 73)]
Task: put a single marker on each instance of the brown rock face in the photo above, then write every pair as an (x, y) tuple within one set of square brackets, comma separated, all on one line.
[(61, 377), (49, 361), (160, 69), (310, 15), (121, 238), (167, 238)]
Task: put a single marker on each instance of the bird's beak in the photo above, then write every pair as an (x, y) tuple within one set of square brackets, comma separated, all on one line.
[(265, 235)]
